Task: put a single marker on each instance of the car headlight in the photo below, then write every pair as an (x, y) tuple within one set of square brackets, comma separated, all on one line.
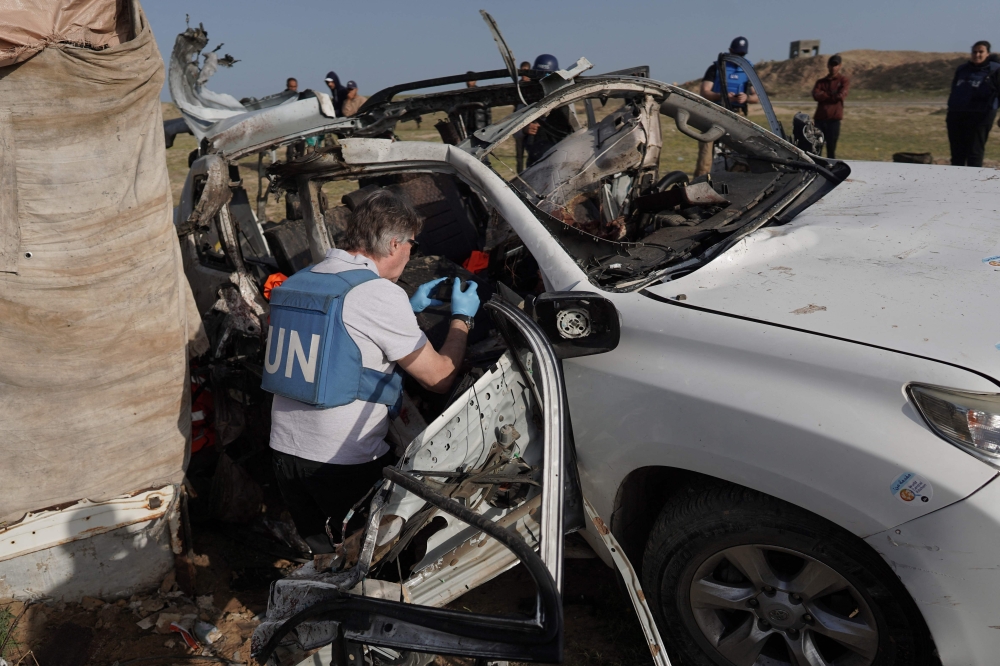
[(968, 419)]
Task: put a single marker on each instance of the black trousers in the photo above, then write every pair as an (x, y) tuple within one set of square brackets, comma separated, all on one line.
[(831, 130), (967, 134), (316, 491)]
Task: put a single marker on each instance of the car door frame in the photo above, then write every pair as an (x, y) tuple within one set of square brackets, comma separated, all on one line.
[(399, 625)]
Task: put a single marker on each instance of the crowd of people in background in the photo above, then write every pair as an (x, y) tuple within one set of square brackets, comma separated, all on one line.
[(345, 97), (972, 104)]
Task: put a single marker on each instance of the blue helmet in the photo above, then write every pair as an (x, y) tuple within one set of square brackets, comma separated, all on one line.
[(546, 63), (739, 46)]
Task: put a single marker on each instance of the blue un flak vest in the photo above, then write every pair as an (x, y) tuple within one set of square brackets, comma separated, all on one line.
[(737, 80), (310, 356)]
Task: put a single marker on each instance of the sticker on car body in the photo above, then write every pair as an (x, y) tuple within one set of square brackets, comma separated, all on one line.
[(909, 487)]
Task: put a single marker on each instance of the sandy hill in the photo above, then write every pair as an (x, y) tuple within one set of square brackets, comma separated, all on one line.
[(882, 71)]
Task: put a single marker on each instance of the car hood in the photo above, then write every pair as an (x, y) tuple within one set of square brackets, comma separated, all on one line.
[(897, 256)]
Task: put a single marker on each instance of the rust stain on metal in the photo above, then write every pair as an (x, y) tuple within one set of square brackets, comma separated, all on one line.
[(601, 527), (654, 648), (641, 595)]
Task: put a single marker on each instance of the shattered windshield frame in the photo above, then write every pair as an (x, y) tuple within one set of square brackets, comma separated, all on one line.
[(598, 189)]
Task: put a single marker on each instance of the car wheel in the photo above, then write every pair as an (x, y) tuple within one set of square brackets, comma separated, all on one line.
[(738, 578)]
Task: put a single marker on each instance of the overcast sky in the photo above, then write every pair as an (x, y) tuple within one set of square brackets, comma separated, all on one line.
[(383, 42)]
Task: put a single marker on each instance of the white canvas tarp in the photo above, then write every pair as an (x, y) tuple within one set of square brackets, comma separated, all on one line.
[(95, 314)]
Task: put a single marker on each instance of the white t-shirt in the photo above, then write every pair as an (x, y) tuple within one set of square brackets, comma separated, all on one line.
[(378, 316)]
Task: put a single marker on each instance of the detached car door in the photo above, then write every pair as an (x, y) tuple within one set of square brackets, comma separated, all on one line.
[(480, 490)]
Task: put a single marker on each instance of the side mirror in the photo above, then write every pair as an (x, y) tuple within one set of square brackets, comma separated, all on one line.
[(577, 323)]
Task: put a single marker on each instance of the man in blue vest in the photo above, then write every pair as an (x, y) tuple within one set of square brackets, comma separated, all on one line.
[(740, 92), (325, 460), (972, 106), (737, 82), (545, 132)]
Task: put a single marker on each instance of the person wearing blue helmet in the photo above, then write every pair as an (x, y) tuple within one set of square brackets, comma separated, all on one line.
[(546, 63), (738, 85), (546, 132), (740, 93)]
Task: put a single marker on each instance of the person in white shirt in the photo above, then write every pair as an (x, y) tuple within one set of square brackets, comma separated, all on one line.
[(325, 460)]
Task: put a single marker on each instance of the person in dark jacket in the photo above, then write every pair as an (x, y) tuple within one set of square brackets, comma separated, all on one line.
[(519, 135), (830, 93), (546, 132), (972, 106), (475, 116), (338, 92)]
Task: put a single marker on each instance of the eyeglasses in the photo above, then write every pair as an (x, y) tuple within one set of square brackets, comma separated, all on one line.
[(414, 243)]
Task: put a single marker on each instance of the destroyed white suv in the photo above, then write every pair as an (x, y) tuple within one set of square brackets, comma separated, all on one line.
[(782, 380)]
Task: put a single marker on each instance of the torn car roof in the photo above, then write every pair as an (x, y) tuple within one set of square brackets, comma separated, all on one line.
[(271, 128)]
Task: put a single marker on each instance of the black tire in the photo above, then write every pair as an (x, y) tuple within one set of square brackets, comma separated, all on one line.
[(705, 523)]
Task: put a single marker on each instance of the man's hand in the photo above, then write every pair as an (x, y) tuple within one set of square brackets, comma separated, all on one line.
[(532, 129), (741, 98), (436, 370), (464, 302), (422, 300)]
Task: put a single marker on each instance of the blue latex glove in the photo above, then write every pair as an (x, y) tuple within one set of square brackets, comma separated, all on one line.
[(464, 302), (422, 298)]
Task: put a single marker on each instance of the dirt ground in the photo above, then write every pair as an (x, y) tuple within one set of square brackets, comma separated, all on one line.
[(234, 571)]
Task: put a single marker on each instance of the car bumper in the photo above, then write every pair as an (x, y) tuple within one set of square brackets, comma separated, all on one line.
[(949, 561)]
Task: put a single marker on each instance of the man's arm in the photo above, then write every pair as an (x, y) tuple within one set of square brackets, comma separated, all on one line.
[(819, 92), (708, 93), (708, 82), (845, 86), (752, 97), (436, 371)]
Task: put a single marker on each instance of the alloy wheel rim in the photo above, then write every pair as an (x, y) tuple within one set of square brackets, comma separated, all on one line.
[(760, 604)]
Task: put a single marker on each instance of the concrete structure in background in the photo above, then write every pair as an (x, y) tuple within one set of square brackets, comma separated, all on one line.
[(804, 48)]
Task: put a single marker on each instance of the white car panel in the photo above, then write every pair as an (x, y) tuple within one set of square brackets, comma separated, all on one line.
[(895, 256), (819, 422), (948, 562)]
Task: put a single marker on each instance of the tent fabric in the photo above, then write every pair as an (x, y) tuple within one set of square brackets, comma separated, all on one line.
[(95, 313), (28, 27)]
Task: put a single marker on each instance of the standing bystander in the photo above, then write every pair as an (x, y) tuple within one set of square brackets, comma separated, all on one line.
[(338, 93), (475, 115), (545, 132), (354, 101), (972, 106), (741, 93), (292, 84), (830, 93), (519, 135)]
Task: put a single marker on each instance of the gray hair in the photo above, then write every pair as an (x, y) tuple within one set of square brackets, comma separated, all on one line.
[(376, 221)]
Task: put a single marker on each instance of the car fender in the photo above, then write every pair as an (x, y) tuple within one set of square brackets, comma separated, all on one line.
[(820, 422)]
